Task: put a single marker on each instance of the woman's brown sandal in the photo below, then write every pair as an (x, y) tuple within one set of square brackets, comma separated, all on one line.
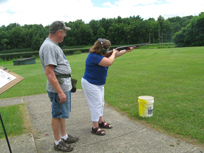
[(105, 125), (98, 131)]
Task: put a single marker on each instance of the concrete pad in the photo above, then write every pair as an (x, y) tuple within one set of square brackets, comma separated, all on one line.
[(12, 101), (21, 144), (126, 135)]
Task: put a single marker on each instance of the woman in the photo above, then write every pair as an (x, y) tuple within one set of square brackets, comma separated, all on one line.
[(94, 79)]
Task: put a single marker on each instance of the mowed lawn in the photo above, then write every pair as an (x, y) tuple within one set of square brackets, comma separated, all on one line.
[(173, 76)]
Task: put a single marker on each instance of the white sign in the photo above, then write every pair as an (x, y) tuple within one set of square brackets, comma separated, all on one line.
[(5, 78)]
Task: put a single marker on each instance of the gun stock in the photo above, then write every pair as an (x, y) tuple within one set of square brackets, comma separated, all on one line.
[(125, 48)]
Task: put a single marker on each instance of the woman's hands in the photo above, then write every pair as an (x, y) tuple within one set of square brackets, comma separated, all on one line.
[(129, 49), (115, 51), (108, 61)]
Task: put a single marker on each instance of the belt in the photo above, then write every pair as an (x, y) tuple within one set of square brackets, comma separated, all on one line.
[(62, 76)]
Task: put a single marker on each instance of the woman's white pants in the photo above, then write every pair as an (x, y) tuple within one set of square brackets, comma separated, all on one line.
[(95, 97)]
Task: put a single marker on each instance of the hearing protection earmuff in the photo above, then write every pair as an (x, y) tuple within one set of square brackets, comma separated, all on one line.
[(103, 49)]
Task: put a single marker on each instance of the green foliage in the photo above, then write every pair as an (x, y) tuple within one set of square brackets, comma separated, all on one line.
[(100, 33), (192, 34), (17, 36), (119, 29), (16, 50), (95, 26), (187, 31), (37, 42), (158, 46)]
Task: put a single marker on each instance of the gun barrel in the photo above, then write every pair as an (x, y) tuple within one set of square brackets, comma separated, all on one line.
[(127, 47)]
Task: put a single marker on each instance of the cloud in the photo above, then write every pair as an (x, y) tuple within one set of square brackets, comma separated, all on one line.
[(46, 11), (107, 4), (126, 3), (10, 12)]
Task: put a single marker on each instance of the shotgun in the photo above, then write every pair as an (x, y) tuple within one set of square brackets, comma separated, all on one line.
[(126, 47)]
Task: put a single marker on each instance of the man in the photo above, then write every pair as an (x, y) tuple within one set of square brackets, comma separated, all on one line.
[(58, 70)]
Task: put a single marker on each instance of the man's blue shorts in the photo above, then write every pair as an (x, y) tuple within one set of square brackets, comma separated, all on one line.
[(60, 110)]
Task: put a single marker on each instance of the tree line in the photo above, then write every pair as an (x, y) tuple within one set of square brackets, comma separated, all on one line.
[(184, 31)]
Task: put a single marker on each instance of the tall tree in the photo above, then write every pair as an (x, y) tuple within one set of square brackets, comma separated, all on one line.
[(37, 42), (4, 40), (95, 26), (167, 31), (106, 23), (17, 38), (161, 28), (192, 34), (116, 33), (101, 33)]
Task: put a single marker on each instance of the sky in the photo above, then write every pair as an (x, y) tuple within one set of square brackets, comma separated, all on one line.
[(47, 11)]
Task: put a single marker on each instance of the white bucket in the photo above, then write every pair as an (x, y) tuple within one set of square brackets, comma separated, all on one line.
[(146, 106)]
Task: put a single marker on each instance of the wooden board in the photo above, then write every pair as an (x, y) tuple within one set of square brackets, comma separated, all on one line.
[(8, 79)]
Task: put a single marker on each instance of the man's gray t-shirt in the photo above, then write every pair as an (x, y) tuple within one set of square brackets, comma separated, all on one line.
[(51, 54)]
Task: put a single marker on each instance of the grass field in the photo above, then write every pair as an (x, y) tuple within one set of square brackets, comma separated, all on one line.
[(16, 120), (173, 76)]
